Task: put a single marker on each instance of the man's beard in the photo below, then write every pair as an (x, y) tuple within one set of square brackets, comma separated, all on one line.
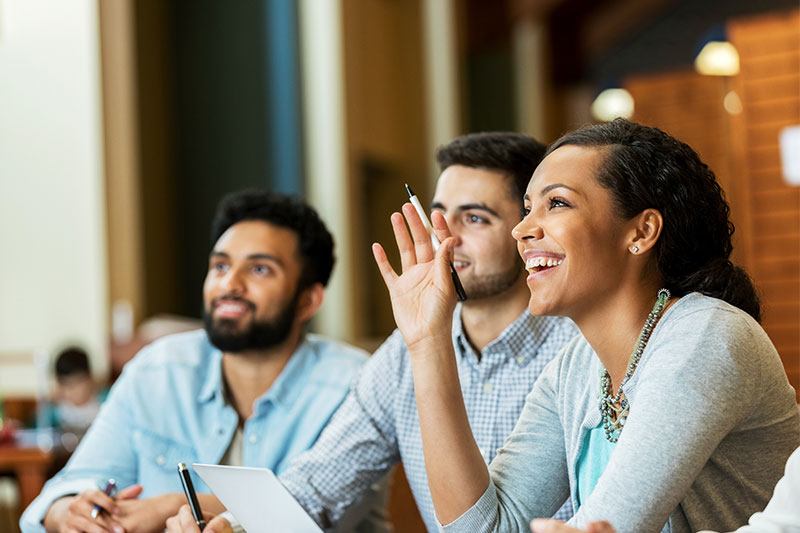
[(259, 335), (494, 284)]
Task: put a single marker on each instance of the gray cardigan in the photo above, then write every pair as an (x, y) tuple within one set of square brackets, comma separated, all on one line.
[(712, 421)]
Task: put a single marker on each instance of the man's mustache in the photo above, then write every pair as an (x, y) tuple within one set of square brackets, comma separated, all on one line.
[(231, 298)]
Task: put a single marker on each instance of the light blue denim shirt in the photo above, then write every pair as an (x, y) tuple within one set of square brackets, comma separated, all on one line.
[(168, 407)]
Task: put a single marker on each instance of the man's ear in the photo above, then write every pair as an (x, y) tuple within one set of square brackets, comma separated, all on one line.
[(646, 229), (309, 302)]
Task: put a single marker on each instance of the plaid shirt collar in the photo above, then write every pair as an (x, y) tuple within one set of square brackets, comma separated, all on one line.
[(521, 339)]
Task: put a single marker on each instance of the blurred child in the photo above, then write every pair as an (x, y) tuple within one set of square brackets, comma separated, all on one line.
[(76, 400)]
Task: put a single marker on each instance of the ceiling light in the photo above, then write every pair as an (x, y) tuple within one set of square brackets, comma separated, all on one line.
[(717, 58), (611, 104)]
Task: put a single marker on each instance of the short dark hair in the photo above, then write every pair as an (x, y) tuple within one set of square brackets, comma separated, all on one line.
[(71, 361), (315, 243), (646, 168), (513, 154)]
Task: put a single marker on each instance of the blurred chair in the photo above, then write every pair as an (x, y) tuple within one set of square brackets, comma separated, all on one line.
[(150, 330)]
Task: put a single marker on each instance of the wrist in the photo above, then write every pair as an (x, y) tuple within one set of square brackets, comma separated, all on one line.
[(431, 347), (169, 504), (56, 513)]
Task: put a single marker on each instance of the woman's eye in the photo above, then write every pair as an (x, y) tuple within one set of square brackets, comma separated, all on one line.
[(557, 202), (220, 267), (525, 211)]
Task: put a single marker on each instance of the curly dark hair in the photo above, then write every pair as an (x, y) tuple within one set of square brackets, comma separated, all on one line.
[(647, 168), (513, 154), (315, 243)]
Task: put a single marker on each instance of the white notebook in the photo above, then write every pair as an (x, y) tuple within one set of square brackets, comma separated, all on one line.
[(257, 499)]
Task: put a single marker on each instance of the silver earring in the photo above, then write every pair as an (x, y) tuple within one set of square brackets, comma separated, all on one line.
[(635, 249)]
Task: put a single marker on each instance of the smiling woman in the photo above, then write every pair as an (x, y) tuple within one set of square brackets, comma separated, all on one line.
[(671, 412)]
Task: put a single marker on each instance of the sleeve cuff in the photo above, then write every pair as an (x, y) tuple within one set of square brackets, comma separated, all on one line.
[(235, 525), (481, 517)]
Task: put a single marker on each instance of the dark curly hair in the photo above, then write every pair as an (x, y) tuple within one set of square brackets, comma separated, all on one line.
[(513, 154), (647, 168), (315, 243)]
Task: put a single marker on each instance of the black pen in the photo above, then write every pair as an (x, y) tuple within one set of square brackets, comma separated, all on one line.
[(425, 222), (188, 489), (111, 484)]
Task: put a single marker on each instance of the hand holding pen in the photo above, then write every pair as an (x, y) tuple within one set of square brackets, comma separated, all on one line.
[(462, 295), (109, 490), (191, 496), (78, 512), (423, 295)]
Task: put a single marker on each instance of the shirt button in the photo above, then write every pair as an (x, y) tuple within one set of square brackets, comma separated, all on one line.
[(161, 459), (520, 359), (487, 387), (253, 439)]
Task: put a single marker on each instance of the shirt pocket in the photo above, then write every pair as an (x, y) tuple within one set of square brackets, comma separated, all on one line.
[(158, 457)]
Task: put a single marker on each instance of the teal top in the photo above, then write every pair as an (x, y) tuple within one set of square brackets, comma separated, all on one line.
[(592, 462)]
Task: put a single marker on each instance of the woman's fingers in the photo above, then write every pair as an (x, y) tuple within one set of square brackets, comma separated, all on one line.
[(599, 527), (544, 525)]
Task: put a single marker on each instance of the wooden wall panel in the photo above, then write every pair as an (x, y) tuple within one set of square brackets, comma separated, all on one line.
[(769, 87), (689, 107), (743, 151)]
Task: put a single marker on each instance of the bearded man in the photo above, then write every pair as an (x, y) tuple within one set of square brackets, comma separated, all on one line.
[(251, 389)]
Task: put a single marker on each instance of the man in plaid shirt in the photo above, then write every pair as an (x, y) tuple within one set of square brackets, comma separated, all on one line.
[(501, 348)]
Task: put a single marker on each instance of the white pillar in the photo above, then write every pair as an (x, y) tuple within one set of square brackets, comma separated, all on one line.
[(325, 144), (530, 71), (441, 77)]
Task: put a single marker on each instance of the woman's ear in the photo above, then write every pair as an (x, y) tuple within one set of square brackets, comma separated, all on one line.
[(309, 302), (646, 228)]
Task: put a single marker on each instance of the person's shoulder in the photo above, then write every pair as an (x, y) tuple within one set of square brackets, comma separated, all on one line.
[(183, 358), (336, 355), (187, 349), (727, 334), (698, 312), (695, 302)]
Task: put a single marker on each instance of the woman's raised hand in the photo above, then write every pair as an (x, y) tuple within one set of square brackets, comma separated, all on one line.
[(423, 296)]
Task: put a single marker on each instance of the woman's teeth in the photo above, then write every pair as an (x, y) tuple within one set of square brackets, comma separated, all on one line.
[(536, 264)]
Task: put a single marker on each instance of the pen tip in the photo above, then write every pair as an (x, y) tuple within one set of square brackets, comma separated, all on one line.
[(409, 191)]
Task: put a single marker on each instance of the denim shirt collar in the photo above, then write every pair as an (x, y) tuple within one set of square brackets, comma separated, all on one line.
[(212, 383), (284, 389)]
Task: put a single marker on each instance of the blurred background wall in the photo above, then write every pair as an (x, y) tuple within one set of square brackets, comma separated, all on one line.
[(123, 122), (53, 233)]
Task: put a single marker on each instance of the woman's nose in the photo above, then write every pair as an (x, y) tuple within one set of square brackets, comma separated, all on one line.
[(527, 229)]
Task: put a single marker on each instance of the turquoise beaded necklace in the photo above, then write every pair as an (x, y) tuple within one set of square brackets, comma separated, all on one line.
[(615, 408)]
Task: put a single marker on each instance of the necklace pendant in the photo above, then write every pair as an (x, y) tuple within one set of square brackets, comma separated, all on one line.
[(614, 418)]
